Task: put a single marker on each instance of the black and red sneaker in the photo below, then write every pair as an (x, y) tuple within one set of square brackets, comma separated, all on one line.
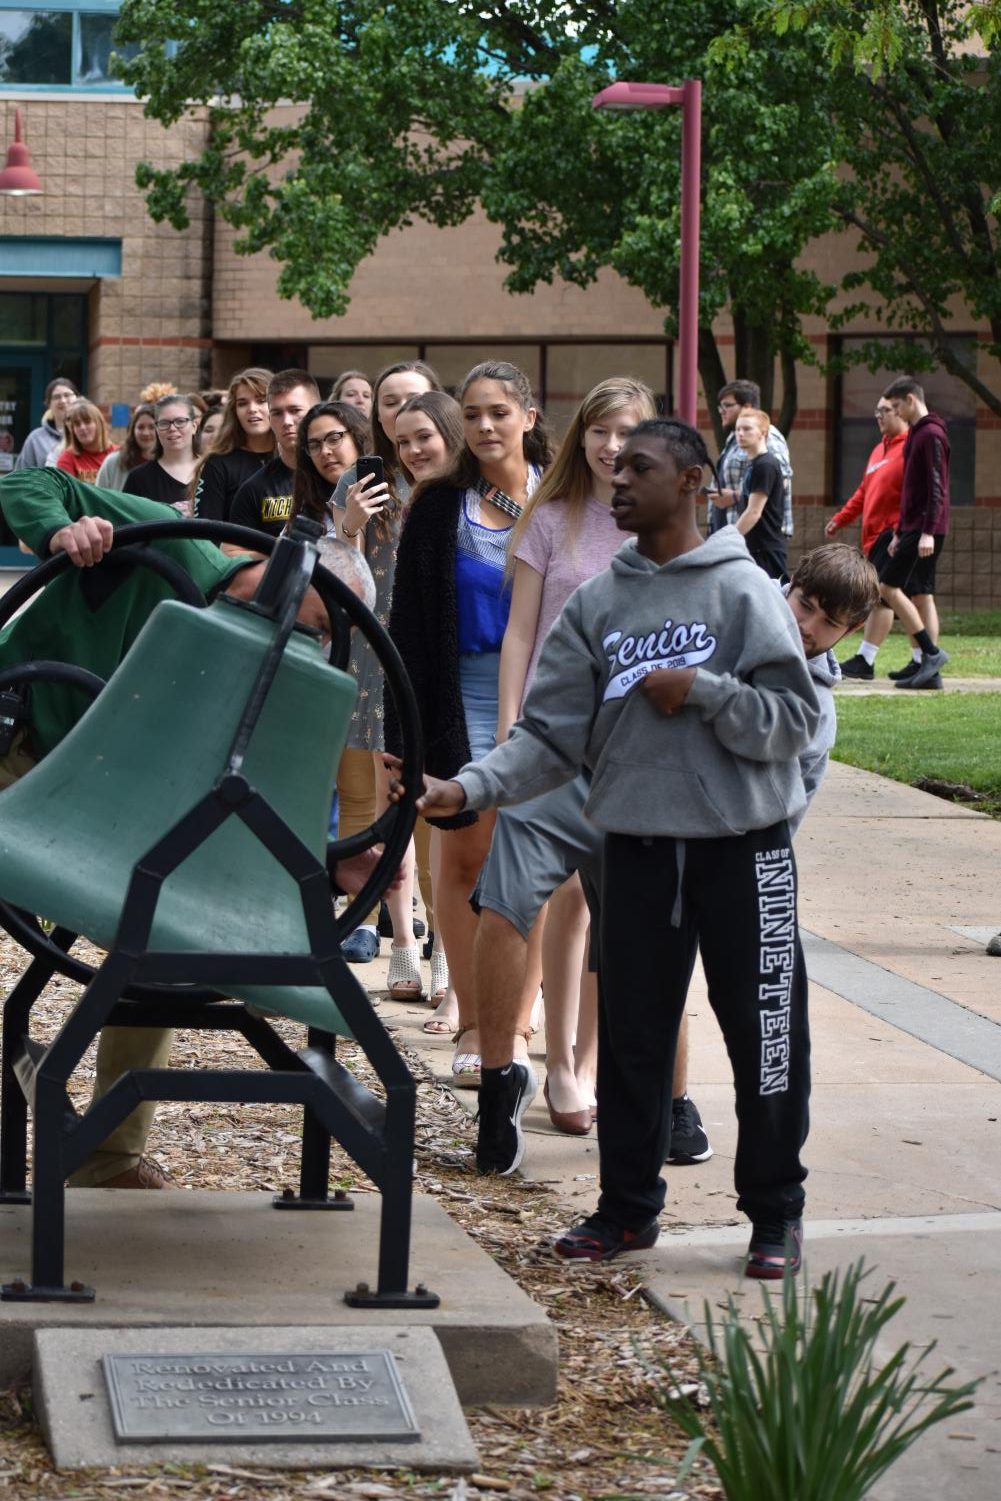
[(775, 1250), (598, 1239)]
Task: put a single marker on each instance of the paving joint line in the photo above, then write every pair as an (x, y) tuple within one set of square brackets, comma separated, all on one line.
[(928, 1015)]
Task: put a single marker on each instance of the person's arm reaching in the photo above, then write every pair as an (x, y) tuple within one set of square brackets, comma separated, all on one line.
[(518, 644)]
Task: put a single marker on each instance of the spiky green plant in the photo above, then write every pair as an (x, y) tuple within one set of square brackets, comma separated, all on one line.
[(802, 1409)]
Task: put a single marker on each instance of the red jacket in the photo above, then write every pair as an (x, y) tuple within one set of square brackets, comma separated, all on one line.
[(878, 496)]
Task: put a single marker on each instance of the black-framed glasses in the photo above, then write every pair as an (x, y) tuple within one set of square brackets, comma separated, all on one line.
[(164, 424), (333, 439)]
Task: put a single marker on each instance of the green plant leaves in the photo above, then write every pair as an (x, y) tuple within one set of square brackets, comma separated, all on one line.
[(805, 1407)]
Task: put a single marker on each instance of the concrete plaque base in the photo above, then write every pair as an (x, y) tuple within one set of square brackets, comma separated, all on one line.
[(72, 1398)]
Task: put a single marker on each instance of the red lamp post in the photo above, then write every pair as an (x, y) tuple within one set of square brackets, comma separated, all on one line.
[(689, 97)]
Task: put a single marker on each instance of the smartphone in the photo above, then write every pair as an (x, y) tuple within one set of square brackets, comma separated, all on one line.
[(370, 463)]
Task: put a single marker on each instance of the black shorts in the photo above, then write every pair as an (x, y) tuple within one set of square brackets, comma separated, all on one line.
[(879, 555), (905, 570)]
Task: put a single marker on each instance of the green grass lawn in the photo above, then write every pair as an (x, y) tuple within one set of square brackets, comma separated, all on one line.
[(953, 737), (973, 641)]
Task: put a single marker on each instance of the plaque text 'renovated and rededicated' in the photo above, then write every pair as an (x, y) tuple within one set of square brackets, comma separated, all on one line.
[(254, 1398)]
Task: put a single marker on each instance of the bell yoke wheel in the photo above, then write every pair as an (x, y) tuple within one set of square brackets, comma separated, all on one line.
[(131, 548)]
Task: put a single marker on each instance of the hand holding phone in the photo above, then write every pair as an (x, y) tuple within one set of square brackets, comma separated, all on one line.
[(366, 497)]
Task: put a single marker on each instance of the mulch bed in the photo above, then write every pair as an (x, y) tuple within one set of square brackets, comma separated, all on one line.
[(606, 1438)]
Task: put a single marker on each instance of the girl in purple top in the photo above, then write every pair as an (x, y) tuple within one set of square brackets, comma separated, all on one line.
[(564, 536)]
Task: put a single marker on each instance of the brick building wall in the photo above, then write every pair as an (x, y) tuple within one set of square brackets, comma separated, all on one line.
[(188, 310), (152, 322)]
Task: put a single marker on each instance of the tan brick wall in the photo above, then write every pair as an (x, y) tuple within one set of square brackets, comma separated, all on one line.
[(421, 285), (147, 324)]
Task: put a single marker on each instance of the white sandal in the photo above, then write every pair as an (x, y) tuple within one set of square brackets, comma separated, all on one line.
[(439, 975), (465, 1066), (404, 982)]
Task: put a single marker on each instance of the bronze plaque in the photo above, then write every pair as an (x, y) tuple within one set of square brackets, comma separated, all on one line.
[(256, 1398)]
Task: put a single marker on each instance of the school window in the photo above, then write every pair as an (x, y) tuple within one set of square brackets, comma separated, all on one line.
[(59, 46), (856, 434)]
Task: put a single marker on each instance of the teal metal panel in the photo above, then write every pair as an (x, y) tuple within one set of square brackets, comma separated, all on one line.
[(56, 256)]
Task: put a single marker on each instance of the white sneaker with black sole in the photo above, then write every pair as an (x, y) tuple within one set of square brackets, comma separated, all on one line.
[(505, 1095)]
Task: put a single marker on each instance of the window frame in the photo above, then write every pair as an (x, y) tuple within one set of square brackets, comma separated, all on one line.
[(75, 8)]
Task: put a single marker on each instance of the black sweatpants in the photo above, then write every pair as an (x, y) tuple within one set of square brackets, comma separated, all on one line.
[(737, 906)]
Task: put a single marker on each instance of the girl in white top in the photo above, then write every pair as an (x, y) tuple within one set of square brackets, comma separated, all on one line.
[(564, 536)]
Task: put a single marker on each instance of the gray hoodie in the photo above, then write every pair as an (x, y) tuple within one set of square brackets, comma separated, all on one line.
[(813, 760), (727, 762)]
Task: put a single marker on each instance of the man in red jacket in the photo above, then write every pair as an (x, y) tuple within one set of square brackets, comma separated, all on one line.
[(878, 500), (921, 528)]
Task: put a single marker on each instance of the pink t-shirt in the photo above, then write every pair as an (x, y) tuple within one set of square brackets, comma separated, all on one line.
[(566, 556)]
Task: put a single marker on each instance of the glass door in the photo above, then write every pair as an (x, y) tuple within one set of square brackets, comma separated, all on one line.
[(22, 388)]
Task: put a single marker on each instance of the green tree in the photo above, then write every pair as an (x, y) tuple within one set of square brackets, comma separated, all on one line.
[(418, 108), (398, 113), (576, 190), (915, 103)]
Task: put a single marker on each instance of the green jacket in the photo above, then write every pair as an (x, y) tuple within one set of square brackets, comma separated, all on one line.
[(88, 617)]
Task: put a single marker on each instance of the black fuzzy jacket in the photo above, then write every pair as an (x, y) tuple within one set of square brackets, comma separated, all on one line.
[(424, 624)]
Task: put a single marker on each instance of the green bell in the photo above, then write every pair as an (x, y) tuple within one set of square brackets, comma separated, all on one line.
[(148, 749)]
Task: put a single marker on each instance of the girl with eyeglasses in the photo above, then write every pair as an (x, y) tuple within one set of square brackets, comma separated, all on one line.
[(332, 437), (88, 442), (167, 477), (240, 448)]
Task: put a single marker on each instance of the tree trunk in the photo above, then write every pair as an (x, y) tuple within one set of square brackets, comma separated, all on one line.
[(712, 375), (790, 392)]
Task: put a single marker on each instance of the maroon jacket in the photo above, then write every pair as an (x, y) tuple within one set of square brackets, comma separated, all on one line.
[(924, 498)]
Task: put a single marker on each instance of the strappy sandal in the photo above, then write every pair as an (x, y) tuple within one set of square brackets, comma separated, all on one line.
[(439, 976), (465, 1066), (404, 982)]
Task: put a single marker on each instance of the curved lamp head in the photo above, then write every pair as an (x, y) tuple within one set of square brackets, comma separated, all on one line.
[(18, 178), (638, 96)]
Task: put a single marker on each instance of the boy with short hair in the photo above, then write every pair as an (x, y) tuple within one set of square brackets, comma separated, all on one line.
[(678, 677)]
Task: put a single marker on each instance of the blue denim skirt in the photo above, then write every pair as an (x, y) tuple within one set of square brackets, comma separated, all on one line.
[(479, 674)]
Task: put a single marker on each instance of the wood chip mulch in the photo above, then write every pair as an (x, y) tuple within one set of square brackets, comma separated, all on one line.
[(605, 1438)]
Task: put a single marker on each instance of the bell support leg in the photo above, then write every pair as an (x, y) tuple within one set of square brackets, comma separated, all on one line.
[(48, 1229)]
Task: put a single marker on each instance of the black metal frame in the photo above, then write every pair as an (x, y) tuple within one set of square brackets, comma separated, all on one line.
[(135, 987)]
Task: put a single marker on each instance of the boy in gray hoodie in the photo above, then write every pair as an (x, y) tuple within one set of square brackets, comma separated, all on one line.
[(677, 678)]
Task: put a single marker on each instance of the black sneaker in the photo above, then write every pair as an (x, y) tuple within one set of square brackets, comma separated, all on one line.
[(598, 1239), (384, 927), (858, 667), (775, 1250), (504, 1098), (994, 947), (428, 948), (915, 685), (903, 673), (689, 1143), (928, 668)]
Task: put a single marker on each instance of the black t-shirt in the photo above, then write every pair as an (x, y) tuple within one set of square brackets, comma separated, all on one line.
[(220, 477), (765, 541), (153, 481), (265, 502)]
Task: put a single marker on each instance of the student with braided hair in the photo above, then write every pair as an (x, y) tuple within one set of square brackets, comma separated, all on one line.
[(677, 680)]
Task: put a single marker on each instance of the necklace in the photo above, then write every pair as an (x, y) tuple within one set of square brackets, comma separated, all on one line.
[(498, 497)]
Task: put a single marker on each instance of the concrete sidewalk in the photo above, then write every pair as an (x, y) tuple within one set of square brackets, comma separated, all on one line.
[(899, 891)]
